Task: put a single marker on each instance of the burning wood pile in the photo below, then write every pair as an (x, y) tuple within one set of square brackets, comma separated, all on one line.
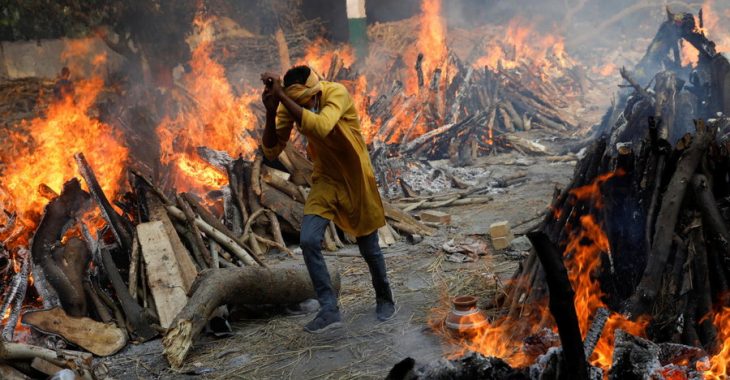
[(154, 267), (633, 256), (418, 98)]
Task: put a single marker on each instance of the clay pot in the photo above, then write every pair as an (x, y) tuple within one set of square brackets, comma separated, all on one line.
[(465, 317)]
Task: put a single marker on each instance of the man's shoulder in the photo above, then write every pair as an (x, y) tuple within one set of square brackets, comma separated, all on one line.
[(334, 88)]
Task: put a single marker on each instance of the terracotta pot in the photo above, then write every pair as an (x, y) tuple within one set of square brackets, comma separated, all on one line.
[(465, 316)]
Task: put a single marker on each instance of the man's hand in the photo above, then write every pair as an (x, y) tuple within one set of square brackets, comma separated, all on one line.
[(270, 100), (273, 83)]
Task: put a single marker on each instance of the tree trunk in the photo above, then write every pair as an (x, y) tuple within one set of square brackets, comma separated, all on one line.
[(250, 285)]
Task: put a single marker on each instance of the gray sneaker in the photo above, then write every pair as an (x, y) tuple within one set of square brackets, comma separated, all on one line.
[(324, 321)]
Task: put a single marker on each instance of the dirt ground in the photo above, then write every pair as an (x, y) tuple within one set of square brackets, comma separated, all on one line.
[(270, 345)]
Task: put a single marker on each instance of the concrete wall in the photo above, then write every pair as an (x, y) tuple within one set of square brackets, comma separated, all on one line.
[(45, 58)]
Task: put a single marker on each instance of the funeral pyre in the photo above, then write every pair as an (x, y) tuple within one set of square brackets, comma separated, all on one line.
[(171, 191), (627, 278)]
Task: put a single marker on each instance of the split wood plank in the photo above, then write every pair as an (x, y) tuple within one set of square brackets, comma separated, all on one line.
[(163, 271), (101, 339), (188, 272)]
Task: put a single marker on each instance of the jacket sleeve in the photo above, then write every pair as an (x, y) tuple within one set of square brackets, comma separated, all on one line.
[(284, 125), (320, 125)]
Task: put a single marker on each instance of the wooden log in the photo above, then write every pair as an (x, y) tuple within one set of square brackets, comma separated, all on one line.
[(101, 309), (275, 228), (419, 71), (139, 322), (256, 175), (235, 184), (57, 217), (253, 244), (101, 339), (188, 271), (283, 185), (78, 361), (646, 292), (562, 306), (711, 218), (15, 296), (596, 331), (273, 244), (163, 272), (203, 256), (283, 205), (701, 287), (134, 267), (405, 222), (290, 168), (230, 244), (110, 304), (304, 167), (45, 367), (73, 259), (9, 373), (214, 224), (278, 285), (119, 226)]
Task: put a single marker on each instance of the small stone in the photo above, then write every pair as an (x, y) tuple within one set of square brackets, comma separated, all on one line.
[(521, 243)]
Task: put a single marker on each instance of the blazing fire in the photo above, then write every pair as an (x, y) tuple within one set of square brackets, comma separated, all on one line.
[(431, 43), (586, 245), (523, 44), (718, 368), (217, 119), (40, 153), (320, 54)]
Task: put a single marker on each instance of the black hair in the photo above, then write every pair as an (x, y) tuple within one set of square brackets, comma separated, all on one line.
[(297, 74)]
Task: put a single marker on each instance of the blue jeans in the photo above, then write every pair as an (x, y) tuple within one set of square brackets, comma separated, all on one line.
[(313, 228)]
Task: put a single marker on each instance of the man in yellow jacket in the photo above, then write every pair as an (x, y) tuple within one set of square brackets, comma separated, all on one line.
[(343, 184)]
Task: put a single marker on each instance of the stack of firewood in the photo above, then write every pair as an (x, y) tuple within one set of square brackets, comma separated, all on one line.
[(658, 190), (166, 264), (467, 113)]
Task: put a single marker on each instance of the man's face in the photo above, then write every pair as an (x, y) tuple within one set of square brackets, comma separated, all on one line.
[(313, 103)]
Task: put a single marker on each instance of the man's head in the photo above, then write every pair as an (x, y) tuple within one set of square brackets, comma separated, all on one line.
[(65, 73), (302, 85)]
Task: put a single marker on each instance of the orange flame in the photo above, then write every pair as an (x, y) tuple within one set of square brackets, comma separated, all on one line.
[(586, 245), (41, 150), (718, 367), (218, 119), (523, 43), (583, 259), (320, 54), (714, 28), (431, 43)]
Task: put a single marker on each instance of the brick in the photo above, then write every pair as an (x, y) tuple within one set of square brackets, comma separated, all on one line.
[(501, 243), (499, 229), (434, 216)]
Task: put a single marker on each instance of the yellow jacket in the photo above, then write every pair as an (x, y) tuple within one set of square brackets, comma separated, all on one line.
[(343, 183)]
